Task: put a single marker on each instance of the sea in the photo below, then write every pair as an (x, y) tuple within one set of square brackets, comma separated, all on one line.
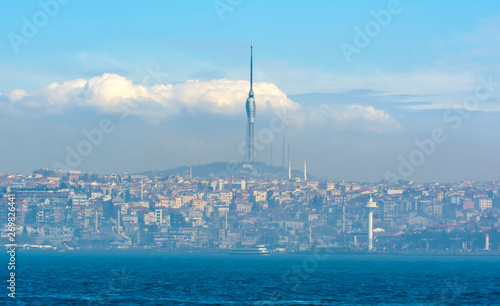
[(154, 278)]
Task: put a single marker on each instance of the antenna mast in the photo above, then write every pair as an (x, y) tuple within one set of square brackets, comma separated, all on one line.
[(251, 67)]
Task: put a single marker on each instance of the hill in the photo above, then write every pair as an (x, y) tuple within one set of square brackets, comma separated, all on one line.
[(228, 169)]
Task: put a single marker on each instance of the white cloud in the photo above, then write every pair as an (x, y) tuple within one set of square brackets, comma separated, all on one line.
[(355, 117), (57, 93), (108, 91), (17, 95)]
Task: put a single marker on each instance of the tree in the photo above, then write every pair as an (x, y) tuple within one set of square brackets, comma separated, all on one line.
[(151, 205), (46, 242), (30, 217), (317, 203), (127, 196), (271, 202)]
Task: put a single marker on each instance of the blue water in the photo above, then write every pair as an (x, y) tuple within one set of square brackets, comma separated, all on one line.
[(189, 279)]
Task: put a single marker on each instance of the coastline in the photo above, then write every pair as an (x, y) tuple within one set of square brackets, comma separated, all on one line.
[(272, 254)]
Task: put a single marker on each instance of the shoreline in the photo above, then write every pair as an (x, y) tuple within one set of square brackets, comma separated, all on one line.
[(303, 253)]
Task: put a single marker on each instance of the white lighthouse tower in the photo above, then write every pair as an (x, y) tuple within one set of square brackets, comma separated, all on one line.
[(371, 206)]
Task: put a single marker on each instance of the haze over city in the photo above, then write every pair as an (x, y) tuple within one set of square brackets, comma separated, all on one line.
[(362, 87)]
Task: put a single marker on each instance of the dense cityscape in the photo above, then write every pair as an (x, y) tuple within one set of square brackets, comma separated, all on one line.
[(69, 210)]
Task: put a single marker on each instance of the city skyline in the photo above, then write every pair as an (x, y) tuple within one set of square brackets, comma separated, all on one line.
[(164, 98)]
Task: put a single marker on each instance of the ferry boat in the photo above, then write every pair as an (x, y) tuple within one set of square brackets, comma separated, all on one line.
[(250, 250)]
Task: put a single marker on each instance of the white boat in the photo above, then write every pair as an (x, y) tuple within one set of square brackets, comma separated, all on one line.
[(250, 250)]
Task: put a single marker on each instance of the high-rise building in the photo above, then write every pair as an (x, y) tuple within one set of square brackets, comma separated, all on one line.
[(250, 106)]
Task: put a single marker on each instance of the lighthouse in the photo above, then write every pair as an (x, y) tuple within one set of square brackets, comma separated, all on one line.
[(371, 206)]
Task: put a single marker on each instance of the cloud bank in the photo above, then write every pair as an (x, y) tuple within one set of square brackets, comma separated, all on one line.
[(360, 117), (109, 93), (106, 92)]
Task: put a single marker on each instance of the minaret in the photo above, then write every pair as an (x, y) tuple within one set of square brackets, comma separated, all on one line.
[(305, 171), (487, 242), (142, 189), (289, 170), (96, 220), (283, 161), (118, 223), (250, 107), (288, 152), (343, 215), (371, 206), (271, 156)]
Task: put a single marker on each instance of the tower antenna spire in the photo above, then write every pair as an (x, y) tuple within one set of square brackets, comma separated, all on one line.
[(251, 66)]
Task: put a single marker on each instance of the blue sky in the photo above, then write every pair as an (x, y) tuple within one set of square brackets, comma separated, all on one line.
[(367, 111)]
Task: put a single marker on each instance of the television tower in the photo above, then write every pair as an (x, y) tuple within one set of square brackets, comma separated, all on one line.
[(371, 206), (250, 106)]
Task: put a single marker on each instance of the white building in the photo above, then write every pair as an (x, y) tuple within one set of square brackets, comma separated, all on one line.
[(485, 203)]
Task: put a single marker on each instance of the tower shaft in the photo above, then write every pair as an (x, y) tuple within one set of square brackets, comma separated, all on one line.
[(250, 154)]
